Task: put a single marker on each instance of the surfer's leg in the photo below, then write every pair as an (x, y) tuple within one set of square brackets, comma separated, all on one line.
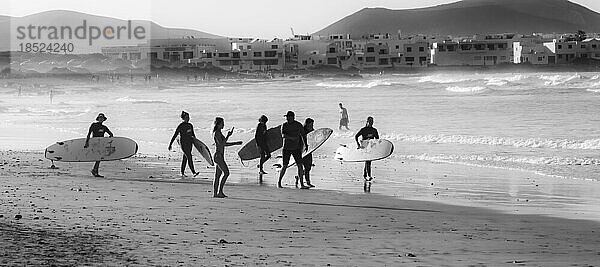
[(225, 169), (368, 169), (263, 159), (183, 163), (286, 160), (218, 173), (298, 158), (95, 169)]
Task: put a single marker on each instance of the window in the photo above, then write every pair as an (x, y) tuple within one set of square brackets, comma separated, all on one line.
[(249, 47), (442, 48), (382, 52), (360, 58), (258, 54), (153, 55), (559, 46), (223, 54), (397, 47), (477, 58), (502, 57), (421, 49), (491, 47), (370, 59), (332, 50), (594, 46), (583, 46), (410, 59), (479, 47), (235, 55), (502, 46), (270, 53), (409, 49), (422, 59), (559, 56), (370, 49), (584, 55), (188, 55), (272, 62), (451, 48), (244, 53), (383, 61), (166, 55), (241, 47), (274, 46), (570, 46), (539, 58), (257, 62), (304, 62), (465, 47), (332, 60)]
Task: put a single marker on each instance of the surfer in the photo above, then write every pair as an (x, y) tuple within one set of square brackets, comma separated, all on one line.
[(344, 117), (367, 133), (261, 142), (186, 132), (293, 138), (97, 129), (219, 157), (307, 161)]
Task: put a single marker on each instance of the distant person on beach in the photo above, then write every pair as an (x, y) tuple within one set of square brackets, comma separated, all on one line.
[(293, 140), (261, 142), (185, 130), (219, 156), (367, 133), (97, 129), (343, 117), (307, 161)]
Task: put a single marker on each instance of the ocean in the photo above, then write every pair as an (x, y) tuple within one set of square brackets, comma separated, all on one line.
[(519, 142)]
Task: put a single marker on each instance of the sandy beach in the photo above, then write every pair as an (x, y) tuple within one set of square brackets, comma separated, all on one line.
[(141, 217)]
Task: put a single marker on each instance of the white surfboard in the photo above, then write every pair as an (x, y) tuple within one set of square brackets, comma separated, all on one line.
[(315, 140), (99, 149), (201, 150), (374, 149)]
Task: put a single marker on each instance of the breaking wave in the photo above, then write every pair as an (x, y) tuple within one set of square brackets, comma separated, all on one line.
[(553, 80), (460, 89), (368, 84), (560, 161), (590, 144), (140, 101)]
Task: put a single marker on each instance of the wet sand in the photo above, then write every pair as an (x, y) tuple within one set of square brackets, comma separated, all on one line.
[(143, 216)]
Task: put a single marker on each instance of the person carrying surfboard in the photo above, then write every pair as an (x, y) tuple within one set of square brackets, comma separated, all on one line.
[(307, 161), (261, 142), (293, 139), (186, 132), (97, 129), (219, 157), (367, 133), (343, 117)]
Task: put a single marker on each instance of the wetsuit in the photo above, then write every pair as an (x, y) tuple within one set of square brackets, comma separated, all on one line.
[(307, 161), (261, 142), (367, 133), (187, 136), (293, 143)]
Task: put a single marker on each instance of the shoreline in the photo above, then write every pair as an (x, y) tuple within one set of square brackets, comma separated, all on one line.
[(165, 223)]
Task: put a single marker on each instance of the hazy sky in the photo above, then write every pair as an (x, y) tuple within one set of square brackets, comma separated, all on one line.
[(240, 18)]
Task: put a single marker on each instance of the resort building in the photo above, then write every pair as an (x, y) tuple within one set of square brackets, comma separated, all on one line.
[(478, 51)]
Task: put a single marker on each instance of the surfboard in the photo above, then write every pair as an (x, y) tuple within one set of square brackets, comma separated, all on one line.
[(315, 140), (274, 142), (374, 149), (99, 149), (202, 150)]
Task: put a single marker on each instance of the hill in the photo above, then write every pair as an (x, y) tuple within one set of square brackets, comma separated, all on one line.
[(470, 17)]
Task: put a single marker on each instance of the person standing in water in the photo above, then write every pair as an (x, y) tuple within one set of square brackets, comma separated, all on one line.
[(261, 142), (293, 138), (343, 117), (97, 129), (219, 156), (185, 130), (307, 161), (367, 133)]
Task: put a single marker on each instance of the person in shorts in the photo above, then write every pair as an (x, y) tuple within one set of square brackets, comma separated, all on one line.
[(294, 142)]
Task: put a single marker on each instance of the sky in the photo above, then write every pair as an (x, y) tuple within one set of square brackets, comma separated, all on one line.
[(239, 18)]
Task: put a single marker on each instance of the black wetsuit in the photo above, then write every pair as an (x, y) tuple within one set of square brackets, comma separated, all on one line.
[(292, 145), (99, 129), (186, 139), (307, 161)]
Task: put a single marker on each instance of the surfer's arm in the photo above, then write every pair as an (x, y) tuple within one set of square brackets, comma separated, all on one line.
[(356, 138), (110, 134), (173, 138), (87, 138)]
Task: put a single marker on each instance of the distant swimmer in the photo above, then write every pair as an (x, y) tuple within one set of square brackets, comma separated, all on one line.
[(185, 130), (219, 156), (307, 161), (293, 140), (261, 142), (97, 129), (367, 133), (343, 117)]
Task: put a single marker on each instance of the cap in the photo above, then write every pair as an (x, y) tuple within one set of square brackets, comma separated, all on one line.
[(290, 114), (101, 116)]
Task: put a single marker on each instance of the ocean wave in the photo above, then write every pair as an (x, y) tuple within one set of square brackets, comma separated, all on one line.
[(501, 81), (368, 84), (445, 79), (460, 89), (140, 101), (594, 90), (553, 80), (589, 144), (558, 161)]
